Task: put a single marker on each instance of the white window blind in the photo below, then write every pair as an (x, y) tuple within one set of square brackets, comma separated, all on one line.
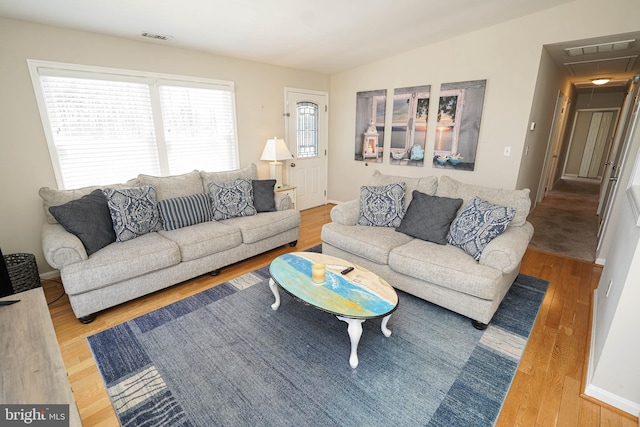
[(105, 126), (194, 120), (103, 131)]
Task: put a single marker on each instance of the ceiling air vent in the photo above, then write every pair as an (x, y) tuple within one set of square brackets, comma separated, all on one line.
[(155, 36), (599, 48)]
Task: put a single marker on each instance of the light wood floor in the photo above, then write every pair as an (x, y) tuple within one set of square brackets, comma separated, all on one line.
[(546, 390)]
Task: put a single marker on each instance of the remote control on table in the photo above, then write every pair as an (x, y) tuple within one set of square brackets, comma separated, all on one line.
[(346, 270)]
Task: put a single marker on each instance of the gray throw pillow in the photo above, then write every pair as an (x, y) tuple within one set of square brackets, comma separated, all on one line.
[(134, 211), (429, 217), (89, 219), (264, 199)]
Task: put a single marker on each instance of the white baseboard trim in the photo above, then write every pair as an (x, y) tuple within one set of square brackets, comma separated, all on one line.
[(50, 275), (632, 408), (596, 392)]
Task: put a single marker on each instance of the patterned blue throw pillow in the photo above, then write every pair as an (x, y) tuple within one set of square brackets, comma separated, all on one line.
[(232, 199), (382, 206), (134, 211), (477, 224), (184, 211)]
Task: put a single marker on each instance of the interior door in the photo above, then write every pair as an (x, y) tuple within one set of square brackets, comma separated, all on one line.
[(610, 174), (306, 127), (598, 141), (628, 127)]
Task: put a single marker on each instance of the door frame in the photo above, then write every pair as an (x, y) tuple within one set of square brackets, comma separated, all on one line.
[(325, 130), (553, 146)]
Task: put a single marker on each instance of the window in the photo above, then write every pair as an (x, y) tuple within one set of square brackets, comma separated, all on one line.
[(104, 126), (307, 129)]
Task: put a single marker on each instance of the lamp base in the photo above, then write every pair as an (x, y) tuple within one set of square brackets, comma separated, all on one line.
[(275, 172)]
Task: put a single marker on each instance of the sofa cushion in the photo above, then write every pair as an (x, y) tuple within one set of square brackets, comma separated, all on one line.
[(134, 211), (232, 199), (88, 218), (517, 199), (429, 217), (263, 195), (477, 224), (52, 197), (265, 224), (382, 205), (169, 187), (120, 261), (184, 211), (204, 239), (445, 266), (372, 243), (426, 184), (250, 172)]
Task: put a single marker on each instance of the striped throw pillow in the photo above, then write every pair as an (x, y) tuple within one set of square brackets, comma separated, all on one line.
[(184, 211)]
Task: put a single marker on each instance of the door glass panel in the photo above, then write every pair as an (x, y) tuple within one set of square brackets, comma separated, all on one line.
[(307, 129)]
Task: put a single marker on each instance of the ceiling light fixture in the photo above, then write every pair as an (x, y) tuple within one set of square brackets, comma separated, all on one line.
[(600, 81)]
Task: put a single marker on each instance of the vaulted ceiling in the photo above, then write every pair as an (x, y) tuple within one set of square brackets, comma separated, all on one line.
[(323, 36)]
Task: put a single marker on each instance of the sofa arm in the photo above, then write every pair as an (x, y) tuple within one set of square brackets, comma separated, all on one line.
[(505, 252), (283, 202), (60, 247), (346, 213)]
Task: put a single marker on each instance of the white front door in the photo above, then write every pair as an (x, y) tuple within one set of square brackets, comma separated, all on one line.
[(306, 128)]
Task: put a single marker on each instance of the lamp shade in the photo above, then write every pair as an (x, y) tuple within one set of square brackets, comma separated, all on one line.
[(276, 149)]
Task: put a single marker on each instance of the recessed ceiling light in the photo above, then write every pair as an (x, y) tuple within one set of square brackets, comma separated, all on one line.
[(600, 81), (155, 36)]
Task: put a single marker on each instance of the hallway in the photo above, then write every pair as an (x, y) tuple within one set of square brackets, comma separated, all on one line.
[(565, 222)]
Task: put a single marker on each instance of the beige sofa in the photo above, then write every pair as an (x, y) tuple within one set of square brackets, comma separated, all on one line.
[(442, 274), (122, 271)]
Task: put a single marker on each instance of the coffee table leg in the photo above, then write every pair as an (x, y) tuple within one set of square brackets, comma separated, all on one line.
[(354, 329), (274, 289), (385, 330)]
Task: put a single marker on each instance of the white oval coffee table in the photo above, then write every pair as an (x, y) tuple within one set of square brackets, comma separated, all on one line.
[(353, 297)]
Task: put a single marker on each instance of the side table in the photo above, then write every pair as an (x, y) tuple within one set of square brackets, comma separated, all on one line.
[(32, 371), (289, 190)]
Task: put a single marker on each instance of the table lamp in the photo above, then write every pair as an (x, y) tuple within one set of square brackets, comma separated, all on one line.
[(276, 149)]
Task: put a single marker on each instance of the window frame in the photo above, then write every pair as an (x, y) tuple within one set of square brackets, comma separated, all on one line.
[(152, 79)]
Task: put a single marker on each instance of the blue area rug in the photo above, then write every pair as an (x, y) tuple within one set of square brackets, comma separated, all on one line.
[(224, 358)]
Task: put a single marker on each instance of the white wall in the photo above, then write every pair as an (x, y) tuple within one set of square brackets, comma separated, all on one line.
[(614, 372), (508, 55), (25, 165)]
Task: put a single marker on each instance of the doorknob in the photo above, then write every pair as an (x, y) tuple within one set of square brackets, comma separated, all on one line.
[(293, 165), (613, 179)]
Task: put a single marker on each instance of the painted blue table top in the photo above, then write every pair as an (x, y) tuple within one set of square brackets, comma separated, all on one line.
[(359, 294)]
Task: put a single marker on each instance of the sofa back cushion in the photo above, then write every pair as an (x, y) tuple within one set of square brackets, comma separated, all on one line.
[(517, 199), (426, 184), (170, 187), (52, 197), (250, 172)]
